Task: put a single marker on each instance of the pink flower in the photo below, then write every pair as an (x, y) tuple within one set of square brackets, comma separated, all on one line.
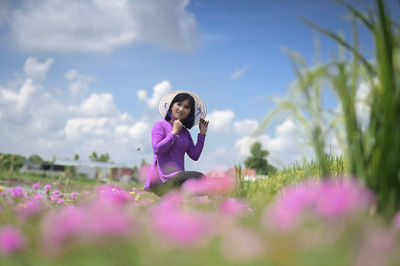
[(36, 186), (105, 218), (241, 244), (113, 193), (338, 198), (181, 228), (29, 208), (234, 207), (144, 171), (378, 248), (47, 187), (330, 199), (74, 195), (60, 201), (11, 239), (94, 220), (17, 192), (62, 225), (212, 185)]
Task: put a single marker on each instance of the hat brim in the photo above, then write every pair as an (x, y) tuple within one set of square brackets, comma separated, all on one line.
[(200, 107)]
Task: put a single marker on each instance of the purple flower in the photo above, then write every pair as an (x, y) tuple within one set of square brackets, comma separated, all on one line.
[(47, 187), (11, 239), (36, 186)]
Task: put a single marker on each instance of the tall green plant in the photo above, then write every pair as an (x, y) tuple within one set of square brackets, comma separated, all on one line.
[(372, 152)]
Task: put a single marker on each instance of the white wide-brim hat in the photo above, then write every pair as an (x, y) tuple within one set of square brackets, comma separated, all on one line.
[(200, 107)]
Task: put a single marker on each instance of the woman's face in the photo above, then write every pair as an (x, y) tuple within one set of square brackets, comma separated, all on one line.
[(180, 110)]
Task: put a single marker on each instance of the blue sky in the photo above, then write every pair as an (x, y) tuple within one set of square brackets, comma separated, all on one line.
[(71, 72)]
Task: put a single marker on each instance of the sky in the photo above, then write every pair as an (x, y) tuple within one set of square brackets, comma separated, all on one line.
[(82, 76)]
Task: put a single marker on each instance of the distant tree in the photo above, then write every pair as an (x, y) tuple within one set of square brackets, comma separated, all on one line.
[(36, 159), (143, 162), (258, 160), (76, 157), (12, 161), (102, 158), (135, 173), (93, 157)]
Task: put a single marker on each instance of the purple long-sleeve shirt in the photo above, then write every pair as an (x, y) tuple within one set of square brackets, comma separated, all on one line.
[(169, 152)]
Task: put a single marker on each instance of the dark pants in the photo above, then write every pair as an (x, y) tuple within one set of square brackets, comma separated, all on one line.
[(175, 182)]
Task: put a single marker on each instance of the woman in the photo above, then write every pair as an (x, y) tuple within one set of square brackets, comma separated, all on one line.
[(171, 140)]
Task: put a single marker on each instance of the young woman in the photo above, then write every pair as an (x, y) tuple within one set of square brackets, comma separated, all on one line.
[(171, 139)]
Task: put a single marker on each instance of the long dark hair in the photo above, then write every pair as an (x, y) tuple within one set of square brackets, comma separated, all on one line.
[(180, 97)]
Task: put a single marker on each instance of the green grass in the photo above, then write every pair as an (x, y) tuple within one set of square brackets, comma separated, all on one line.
[(261, 192)]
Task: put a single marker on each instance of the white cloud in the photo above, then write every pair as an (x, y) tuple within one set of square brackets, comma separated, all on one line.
[(79, 84), (220, 120), (33, 121), (99, 25), (37, 70), (97, 105), (286, 147), (239, 71), (159, 90), (245, 127)]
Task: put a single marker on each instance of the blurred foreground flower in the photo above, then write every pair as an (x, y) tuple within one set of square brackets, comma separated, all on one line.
[(29, 208), (219, 184), (112, 193), (183, 228), (378, 248), (17, 192), (234, 207), (241, 244), (11, 239), (329, 198), (104, 216)]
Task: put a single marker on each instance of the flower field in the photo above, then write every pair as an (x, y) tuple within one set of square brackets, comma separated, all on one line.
[(310, 222)]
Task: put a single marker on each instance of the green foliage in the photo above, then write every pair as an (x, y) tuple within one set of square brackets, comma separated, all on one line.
[(36, 159), (371, 150), (11, 162), (258, 161), (102, 158), (262, 191)]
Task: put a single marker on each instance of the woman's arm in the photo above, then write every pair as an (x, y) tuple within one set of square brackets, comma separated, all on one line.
[(194, 151), (161, 142)]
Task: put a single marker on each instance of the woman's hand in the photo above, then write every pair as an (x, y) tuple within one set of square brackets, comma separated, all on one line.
[(203, 126), (177, 127)]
